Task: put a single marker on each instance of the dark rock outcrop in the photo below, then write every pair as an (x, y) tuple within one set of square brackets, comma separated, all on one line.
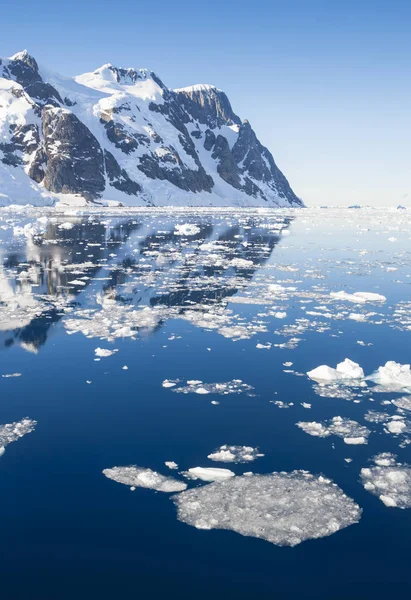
[(207, 105), (75, 161), (118, 177)]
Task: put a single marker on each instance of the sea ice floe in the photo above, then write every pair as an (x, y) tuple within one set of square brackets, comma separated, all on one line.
[(282, 508), (146, 478), (389, 480), (104, 352), (187, 229), (208, 473), (351, 431), (392, 377), (358, 297), (403, 403), (11, 432), (194, 386), (345, 370), (171, 464), (235, 454)]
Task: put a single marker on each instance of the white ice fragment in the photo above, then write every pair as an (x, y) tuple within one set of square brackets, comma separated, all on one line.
[(11, 432), (282, 508), (389, 480), (358, 297), (168, 383), (351, 431), (393, 376), (146, 478), (208, 473), (171, 464), (235, 454), (104, 352), (186, 229), (345, 370)]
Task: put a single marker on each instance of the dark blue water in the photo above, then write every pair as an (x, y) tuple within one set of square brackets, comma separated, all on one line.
[(68, 532)]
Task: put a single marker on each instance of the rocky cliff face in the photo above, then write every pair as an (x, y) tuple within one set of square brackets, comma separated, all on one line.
[(121, 135)]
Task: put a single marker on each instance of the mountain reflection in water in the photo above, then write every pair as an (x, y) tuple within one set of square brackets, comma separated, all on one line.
[(63, 266)]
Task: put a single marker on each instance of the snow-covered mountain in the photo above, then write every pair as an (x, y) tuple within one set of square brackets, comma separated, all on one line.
[(120, 135)]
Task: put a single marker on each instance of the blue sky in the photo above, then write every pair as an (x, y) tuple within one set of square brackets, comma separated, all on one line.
[(325, 84)]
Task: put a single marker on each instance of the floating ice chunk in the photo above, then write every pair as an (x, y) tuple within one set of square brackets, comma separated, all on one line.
[(104, 352), (350, 370), (396, 427), (76, 282), (146, 478), (282, 508), (187, 229), (171, 464), (8, 375), (235, 454), (324, 373), (404, 403), (235, 386), (389, 480), (351, 431), (355, 440), (208, 473), (305, 405), (393, 376), (66, 225), (168, 383), (242, 263), (357, 317), (345, 370), (358, 297), (11, 432)]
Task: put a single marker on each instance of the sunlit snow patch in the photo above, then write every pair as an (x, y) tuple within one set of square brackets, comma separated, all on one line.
[(235, 454), (11, 432), (145, 478), (389, 480), (282, 508)]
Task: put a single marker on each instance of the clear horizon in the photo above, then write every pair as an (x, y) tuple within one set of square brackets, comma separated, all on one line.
[(326, 88)]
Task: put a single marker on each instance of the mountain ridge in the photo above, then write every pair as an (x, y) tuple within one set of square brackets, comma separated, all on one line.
[(119, 135)]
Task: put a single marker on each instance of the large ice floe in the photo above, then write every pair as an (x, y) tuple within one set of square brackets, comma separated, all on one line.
[(11, 432), (351, 431), (358, 297), (235, 454), (392, 377), (145, 478), (282, 508), (196, 386), (346, 370), (389, 480)]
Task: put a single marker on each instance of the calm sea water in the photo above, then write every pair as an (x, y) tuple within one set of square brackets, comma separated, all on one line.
[(187, 296)]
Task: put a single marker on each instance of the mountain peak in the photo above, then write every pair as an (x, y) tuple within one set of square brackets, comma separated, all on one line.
[(25, 58), (199, 87), (123, 76)]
